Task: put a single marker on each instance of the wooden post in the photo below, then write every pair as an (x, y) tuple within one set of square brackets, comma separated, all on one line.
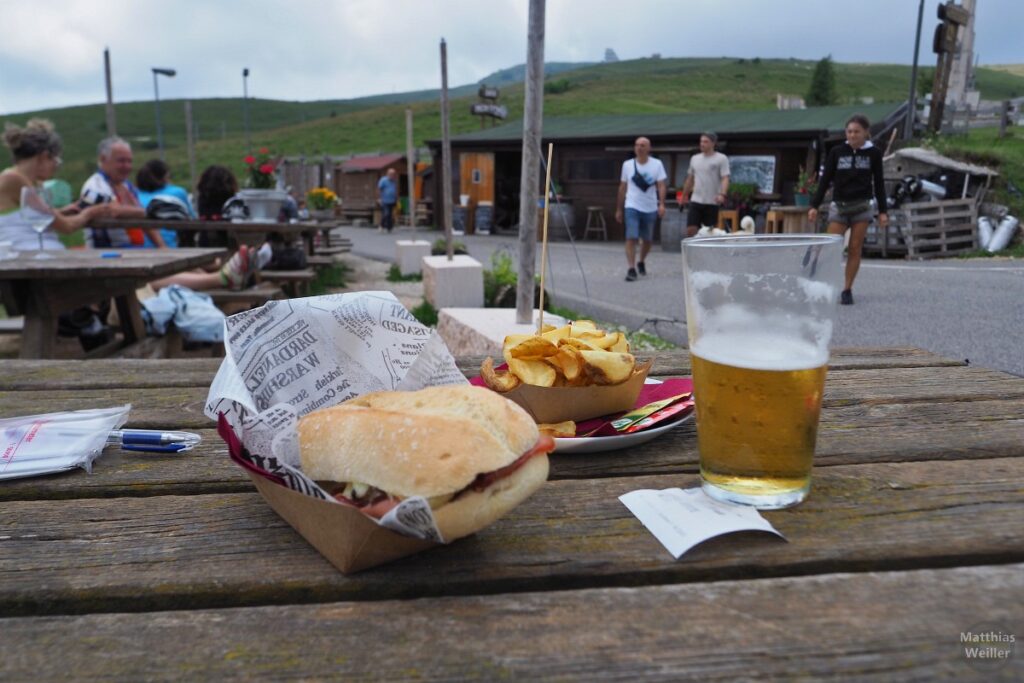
[(1004, 118), (410, 162), (446, 153), (908, 128), (533, 121), (190, 144), (111, 117)]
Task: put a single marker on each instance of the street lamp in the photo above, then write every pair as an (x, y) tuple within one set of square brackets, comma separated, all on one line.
[(245, 108), (156, 93)]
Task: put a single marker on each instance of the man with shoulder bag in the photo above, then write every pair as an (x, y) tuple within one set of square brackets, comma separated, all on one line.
[(641, 202)]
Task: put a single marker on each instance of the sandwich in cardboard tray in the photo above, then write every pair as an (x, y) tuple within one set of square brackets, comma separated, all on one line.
[(471, 453)]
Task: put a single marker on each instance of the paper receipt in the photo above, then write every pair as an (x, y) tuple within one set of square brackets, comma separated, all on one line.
[(681, 519)]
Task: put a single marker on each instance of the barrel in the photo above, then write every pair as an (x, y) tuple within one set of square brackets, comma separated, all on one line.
[(673, 227), (561, 220)]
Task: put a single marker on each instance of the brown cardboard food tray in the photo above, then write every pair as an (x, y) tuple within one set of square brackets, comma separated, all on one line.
[(557, 404), (347, 538)]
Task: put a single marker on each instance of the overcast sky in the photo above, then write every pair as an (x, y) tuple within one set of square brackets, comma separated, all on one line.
[(51, 51)]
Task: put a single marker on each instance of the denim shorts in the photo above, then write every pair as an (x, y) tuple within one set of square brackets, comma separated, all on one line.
[(640, 225), (848, 220)]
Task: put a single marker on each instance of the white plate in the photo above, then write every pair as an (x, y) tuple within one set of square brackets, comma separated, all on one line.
[(600, 444)]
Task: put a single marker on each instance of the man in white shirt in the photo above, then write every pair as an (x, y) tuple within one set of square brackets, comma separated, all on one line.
[(641, 202), (708, 181)]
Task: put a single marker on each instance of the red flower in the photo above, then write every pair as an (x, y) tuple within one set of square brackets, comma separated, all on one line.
[(249, 159), (264, 150), (267, 168)]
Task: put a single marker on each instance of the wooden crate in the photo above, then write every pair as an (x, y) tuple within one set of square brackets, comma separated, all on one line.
[(938, 229)]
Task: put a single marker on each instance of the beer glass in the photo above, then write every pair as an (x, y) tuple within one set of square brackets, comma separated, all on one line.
[(759, 314)]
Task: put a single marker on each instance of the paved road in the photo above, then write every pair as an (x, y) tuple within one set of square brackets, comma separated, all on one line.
[(964, 309)]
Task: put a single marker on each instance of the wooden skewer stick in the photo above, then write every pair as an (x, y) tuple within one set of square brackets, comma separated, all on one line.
[(544, 238)]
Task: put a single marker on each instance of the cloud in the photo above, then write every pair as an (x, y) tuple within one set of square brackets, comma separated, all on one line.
[(326, 49)]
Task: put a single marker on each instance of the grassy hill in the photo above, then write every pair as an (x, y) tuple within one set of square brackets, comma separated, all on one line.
[(1016, 69), (378, 123)]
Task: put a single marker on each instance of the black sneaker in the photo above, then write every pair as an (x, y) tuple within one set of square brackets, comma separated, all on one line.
[(631, 275), (846, 298), (640, 268)]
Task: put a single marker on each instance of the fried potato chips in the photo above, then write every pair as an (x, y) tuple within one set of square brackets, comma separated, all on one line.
[(574, 355)]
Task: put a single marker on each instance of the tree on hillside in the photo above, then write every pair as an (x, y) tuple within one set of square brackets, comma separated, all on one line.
[(823, 84), (610, 56)]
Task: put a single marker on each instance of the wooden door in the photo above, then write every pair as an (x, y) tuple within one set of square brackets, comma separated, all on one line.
[(476, 171)]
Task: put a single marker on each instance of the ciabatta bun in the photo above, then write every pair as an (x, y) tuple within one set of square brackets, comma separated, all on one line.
[(426, 443)]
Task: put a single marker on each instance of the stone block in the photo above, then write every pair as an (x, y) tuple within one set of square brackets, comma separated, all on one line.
[(481, 331), (409, 255), (458, 283)]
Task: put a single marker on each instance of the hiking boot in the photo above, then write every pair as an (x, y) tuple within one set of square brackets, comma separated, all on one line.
[(641, 269), (846, 298), (631, 275)]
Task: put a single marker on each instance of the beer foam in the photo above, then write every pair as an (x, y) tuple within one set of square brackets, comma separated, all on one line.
[(760, 351)]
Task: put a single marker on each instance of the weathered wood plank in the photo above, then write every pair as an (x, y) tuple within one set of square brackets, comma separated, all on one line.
[(849, 435), (182, 407), (168, 552), (101, 374), (874, 626), (50, 375)]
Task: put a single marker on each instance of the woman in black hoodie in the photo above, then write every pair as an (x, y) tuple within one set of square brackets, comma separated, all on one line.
[(854, 170)]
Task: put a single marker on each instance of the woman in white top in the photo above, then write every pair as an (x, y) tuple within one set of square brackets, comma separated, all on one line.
[(36, 153)]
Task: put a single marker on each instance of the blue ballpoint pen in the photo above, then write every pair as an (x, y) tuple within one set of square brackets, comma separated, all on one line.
[(155, 441)]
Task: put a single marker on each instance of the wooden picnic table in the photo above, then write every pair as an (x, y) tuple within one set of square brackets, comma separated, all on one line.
[(42, 289), (173, 567), (241, 232)]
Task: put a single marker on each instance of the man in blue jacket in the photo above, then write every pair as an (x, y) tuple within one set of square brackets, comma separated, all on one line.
[(387, 195)]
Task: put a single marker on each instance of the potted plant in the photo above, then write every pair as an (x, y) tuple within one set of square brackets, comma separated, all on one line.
[(741, 197), (263, 201), (806, 184), (321, 203)]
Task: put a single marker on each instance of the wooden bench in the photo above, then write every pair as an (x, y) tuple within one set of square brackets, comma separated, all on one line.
[(331, 251), (319, 262), (232, 301), (296, 281), (359, 211)]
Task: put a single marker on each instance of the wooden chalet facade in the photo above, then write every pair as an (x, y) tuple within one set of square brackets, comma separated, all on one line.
[(767, 148)]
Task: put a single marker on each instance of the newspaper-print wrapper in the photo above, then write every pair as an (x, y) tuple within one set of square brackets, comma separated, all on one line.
[(289, 358)]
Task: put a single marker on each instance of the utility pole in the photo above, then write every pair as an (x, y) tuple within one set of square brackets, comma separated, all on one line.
[(410, 162), (908, 129), (446, 154), (156, 101), (245, 108), (190, 144), (533, 122), (111, 117)]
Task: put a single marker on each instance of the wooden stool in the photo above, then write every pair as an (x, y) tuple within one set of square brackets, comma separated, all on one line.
[(773, 222), (596, 223), (731, 215)]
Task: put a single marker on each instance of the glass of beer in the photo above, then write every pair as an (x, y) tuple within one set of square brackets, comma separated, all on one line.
[(759, 314)]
